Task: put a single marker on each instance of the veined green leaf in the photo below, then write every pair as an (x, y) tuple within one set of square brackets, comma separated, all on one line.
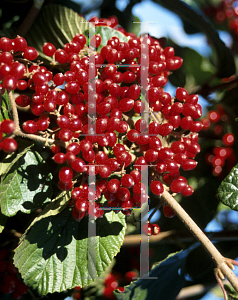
[(55, 24), (228, 190), (26, 186), (56, 253), (169, 272)]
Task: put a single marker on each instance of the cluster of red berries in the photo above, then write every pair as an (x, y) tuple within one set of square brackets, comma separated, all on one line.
[(111, 21), (7, 143), (226, 11), (112, 281), (10, 281), (99, 136), (222, 154), (153, 229)]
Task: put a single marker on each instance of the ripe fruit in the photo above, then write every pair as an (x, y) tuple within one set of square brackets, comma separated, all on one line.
[(168, 212), (148, 229), (9, 145), (157, 188), (91, 119), (7, 126)]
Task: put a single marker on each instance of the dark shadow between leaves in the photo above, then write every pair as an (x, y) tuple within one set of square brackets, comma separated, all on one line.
[(37, 202)]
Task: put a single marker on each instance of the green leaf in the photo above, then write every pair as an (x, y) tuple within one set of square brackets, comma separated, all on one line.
[(108, 32), (228, 190), (55, 24), (3, 220), (5, 106), (53, 255), (27, 185), (195, 70), (170, 273), (226, 63), (231, 292), (70, 4)]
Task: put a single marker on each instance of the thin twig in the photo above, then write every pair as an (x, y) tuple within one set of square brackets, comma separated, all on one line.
[(172, 236), (219, 280), (219, 260), (18, 131)]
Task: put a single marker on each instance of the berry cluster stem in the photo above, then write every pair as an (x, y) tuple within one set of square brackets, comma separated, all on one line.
[(219, 260), (18, 131)]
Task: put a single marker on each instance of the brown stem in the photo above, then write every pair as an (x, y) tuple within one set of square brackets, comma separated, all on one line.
[(30, 18), (216, 272), (202, 238), (172, 236), (207, 89), (18, 131)]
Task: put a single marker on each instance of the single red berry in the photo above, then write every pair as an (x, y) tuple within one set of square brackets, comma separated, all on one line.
[(30, 53), (48, 49), (157, 187), (10, 82), (81, 204), (148, 229), (77, 215), (181, 94), (168, 212), (228, 139), (127, 181), (156, 229), (7, 126), (113, 185), (188, 191), (20, 43), (30, 126), (178, 186), (9, 145), (65, 174)]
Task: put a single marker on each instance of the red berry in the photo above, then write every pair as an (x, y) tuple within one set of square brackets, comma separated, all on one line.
[(189, 164), (5, 44), (77, 215), (156, 229), (30, 126), (168, 212), (48, 49), (30, 53), (228, 139), (10, 82), (157, 188), (113, 185), (61, 56), (148, 229), (188, 191), (81, 204), (9, 145), (178, 186), (181, 94), (66, 174), (7, 126), (127, 181)]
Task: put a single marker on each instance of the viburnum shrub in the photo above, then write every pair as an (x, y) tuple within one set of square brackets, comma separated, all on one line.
[(88, 135)]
